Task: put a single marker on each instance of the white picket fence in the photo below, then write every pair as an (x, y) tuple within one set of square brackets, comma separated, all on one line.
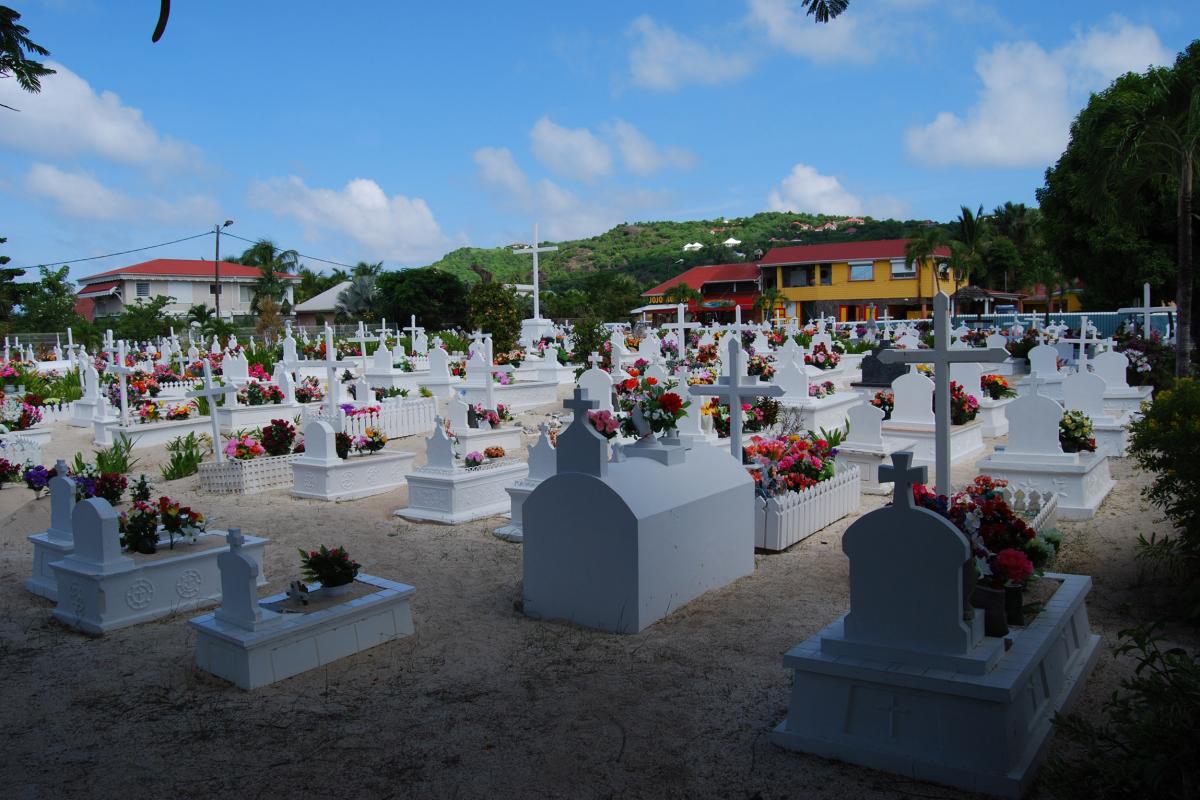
[(20, 449), (59, 412), (397, 416), (782, 521), (236, 476), (1039, 510)]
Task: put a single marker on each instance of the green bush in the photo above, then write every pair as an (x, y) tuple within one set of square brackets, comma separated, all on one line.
[(186, 454), (1149, 744), (117, 456)]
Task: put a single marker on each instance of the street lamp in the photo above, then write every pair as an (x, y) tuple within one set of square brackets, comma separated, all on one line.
[(216, 288)]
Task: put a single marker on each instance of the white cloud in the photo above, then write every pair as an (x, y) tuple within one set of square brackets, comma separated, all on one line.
[(570, 152), (81, 195), (397, 227), (68, 118), (563, 214), (664, 59), (807, 190), (1024, 111), (644, 157)]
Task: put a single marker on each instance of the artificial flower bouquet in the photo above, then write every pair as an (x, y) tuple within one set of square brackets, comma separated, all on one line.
[(179, 520), (372, 440), (327, 567), (495, 451), (278, 437), (963, 407), (822, 357), (790, 463), (819, 391), (605, 422), (260, 394), (996, 387), (1075, 433), (661, 407), (473, 459), (886, 402)]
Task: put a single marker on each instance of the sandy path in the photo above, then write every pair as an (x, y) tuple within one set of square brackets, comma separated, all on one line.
[(481, 702)]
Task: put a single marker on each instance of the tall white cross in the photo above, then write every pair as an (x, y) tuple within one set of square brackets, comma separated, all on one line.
[(681, 328), (595, 360), (537, 308), (413, 330), (122, 372), (1145, 310), (1082, 341), (362, 345), (732, 389), (211, 392), (331, 365), (941, 356)]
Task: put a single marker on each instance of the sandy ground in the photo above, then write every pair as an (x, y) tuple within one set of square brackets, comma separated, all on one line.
[(480, 702)]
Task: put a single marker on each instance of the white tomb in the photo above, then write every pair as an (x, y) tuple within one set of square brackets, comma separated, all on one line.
[(442, 491), (1034, 459), (968, 375), (617, 546), (904, 683), (913, 420), (867, 448), (1084, 391), (250, 644), (470, 439), (1111, 366), (101, 589), (83, 410), (480, 387), (319, 474), (816, 413), (597, 383), (542, 463), (58, 541), (1043, 363)]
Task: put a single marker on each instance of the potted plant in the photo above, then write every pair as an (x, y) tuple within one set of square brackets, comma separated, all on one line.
[(333, 569), (1075, 433), (661, 407), (963, 407), (494, 452), (884, 401), (473, 458), (278, 437), (996, 387), (139, 528), (179, 520), (372, 440)]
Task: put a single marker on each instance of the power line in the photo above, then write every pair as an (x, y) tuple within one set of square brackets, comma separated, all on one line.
[(122, 253), (301, 255)]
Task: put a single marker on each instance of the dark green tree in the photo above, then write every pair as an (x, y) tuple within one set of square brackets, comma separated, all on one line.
[(437, 298), (15, 44), (1003, 262), (49, 304), (10, 290), (143, 320), (494, 308)]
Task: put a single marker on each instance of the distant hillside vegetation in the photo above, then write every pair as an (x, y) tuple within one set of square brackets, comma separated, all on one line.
[(651, 252)]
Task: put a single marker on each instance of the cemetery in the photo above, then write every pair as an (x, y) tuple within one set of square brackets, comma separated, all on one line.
[(372, 495)]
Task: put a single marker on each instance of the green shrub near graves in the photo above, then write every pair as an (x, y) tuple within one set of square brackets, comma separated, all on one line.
[(1148, 745), (117, 456), (1163, 442), (186, 454)]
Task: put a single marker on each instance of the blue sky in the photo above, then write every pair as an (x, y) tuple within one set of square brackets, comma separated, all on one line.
[(398, 131)]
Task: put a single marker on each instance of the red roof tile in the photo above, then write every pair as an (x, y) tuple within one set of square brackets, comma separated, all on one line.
[(183, 267), (715, 273), (839, 251)]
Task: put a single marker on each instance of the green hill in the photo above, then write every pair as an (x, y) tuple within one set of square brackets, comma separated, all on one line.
[(651, 252)]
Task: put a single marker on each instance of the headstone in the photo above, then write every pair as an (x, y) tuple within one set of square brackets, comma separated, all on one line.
[(439, 366), (319, 445), (996, 340), (439, 450), (283, 379), (598, 384), (459, 412), (1084, 391), (581, 448), (543, 461), (239, 587), (967, 375), (866, 426), (382, 357), (62, 505), (1033, 425), (1112, 367), (913, 400), (875, 373), (1043, 361), (97, 535)]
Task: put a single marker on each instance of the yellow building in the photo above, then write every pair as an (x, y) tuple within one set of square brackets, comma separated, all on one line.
[(852, 280)]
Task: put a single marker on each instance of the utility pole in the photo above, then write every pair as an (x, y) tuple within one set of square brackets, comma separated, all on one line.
[(216, 289)]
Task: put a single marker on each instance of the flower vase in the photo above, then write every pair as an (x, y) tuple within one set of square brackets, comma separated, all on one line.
[(1014, 601), (671, 438), (995, 619), (336, 591)]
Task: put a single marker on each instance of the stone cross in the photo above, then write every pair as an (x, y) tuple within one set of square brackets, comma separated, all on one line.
[(239, 587), (581, 448), (122, 372), (1145, 310), (733, 389), (211, 391), (535, 250), (331, 365), (941, 356), (595, 360), (1082, 341), (681, 328), (362, 345)]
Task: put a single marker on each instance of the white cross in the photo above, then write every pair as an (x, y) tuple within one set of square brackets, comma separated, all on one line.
[(121, 371), (537, 309), (362, 345), (331, 365), (902, 475), (382, 330), (413, 330), (595, 360), (941, 356), (732, 389), (1083, 341), (1145, 310), (681, 328), (211, 392)]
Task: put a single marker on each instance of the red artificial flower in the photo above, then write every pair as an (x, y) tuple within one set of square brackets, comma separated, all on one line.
[(630, 384), (670, 402), (652, 381)]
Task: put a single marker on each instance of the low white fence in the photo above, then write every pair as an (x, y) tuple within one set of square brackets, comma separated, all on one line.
[(1040, 510), (396, 417), (782, 521), (235, 476)]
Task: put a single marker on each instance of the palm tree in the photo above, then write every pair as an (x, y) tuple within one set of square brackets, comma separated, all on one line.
[(921, 248), (357, 301), (969, 232), (681, 293), (363, 268), (766, 302), (824, 10), (200, 314), (1156, 124), (311, 284)]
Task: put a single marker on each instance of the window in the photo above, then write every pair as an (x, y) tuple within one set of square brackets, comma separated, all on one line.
[(246, 292), (826, 273), (800, 276), (899, 270), (142, 289), (862, 272)]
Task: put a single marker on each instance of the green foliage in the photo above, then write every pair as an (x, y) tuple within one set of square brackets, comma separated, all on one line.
[(496, 309), (49, 304), (15, 47), (186, 454), (359, 300), (1149, 744), (437, 297), (10, 290), (681, 293), (590, 336), (117, 457), (142, 321)]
